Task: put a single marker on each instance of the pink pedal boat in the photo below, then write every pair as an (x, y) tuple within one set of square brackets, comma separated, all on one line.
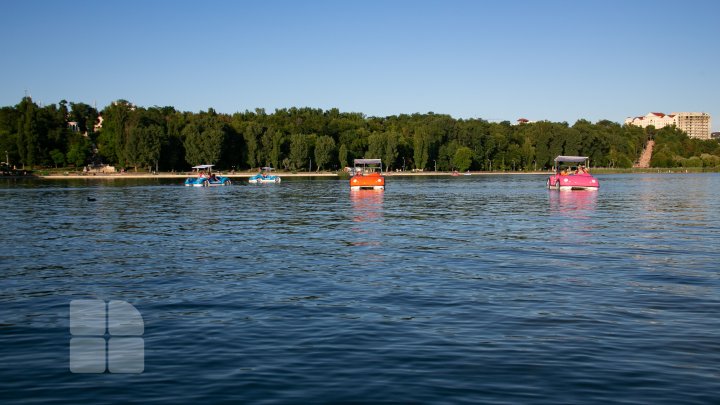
[(572, 177)]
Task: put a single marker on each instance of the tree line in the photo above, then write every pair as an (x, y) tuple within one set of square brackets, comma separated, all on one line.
[(302, 139)]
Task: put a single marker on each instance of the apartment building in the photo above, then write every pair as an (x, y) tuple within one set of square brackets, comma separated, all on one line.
[(695, 124)]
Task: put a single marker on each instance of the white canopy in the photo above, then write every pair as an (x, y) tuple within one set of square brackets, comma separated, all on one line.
[(571, 159), (368, 161), (202, 167)]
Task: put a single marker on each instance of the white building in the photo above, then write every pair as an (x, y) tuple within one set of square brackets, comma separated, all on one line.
[(98, 124), (695, 124)]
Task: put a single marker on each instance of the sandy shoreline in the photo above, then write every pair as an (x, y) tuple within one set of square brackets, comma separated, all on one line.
[(165, 175), (247, 175)]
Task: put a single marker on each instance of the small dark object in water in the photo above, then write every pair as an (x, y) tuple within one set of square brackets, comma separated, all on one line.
[(91, 199)]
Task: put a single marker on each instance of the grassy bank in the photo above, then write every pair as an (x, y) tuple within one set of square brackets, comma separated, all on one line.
[(604, 170)]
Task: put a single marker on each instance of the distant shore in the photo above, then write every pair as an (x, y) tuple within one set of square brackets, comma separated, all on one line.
[(240, 175), (163, 175)]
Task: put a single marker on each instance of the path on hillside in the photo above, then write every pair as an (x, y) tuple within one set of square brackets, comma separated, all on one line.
[(646, 155)]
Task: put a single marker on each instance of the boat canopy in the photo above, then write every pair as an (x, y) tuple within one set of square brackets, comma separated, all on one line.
[(571, 159), (202, 167), (368, 161), (267, 168)]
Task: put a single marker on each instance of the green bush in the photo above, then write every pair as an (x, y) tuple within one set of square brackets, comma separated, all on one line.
[(709, 160)]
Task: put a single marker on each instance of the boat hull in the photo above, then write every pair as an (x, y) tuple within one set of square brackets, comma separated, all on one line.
[(573, 182), (368, 182), (203, 182), (259, 179), (356, 188)]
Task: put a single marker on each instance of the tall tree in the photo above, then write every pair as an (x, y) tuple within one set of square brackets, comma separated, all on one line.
[(27, 136), (463, 158), (272, 141), (214, 138), (324, 150), (421, 148), (58, 157), (390, 153), (79, 150), (204, 141), (143, 145), (343, 156), (299, 151), (8, 134), (376, 146), (251, 133), (114, 133), (527, 151)]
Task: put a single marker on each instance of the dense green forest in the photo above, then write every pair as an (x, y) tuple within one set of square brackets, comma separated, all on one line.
[(65, 134)]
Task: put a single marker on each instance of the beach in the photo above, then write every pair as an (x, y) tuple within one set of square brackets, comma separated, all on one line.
[(167, 175)]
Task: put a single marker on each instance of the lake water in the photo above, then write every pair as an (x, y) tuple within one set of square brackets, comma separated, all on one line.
[(487, 289)]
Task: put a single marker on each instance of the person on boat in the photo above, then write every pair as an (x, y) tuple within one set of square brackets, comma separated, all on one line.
[(212, 177), (563, 172), (581, 170)]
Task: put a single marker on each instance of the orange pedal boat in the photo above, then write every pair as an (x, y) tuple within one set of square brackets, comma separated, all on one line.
[(367, 175)]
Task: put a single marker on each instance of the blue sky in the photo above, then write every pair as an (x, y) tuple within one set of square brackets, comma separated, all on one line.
[(496, 60)]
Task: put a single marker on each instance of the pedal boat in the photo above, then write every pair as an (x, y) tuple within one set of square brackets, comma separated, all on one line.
[(580, 179), (367, 175), (264, 177), (206, 179)]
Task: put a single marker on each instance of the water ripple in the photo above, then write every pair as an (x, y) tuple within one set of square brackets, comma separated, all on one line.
[(485, 289)]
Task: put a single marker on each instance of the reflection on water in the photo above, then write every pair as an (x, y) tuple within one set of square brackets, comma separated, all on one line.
[(574, 233), (367, 205), (576, 204), (367, 213)]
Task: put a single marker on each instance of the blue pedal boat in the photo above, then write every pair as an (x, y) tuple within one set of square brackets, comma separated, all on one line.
[(206, 178), (264, 177)]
